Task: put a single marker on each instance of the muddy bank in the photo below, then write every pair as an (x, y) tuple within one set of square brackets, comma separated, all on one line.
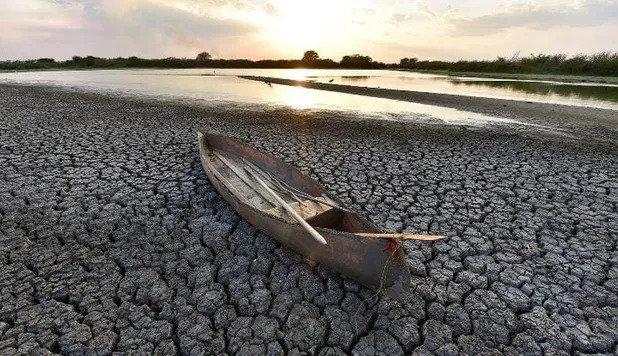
[(112, 238), (530, 111)]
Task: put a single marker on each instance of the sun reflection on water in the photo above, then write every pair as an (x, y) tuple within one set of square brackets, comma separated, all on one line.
[(298, 98)]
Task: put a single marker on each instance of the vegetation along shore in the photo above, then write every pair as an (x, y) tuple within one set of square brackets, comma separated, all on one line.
[(603, 64)]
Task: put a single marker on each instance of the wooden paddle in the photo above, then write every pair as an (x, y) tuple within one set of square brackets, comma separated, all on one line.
[(389, 235), (403, 236), (316, 235)]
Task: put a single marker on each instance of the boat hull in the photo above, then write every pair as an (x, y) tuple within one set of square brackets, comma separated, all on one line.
[(376, 263)]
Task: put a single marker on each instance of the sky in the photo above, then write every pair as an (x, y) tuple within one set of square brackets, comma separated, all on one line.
[(386, 30)]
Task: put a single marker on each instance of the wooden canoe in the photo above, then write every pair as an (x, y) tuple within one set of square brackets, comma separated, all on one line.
[(231, 166)]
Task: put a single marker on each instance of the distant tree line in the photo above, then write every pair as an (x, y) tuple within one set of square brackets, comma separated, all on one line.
[(310, 59), (600, 64)]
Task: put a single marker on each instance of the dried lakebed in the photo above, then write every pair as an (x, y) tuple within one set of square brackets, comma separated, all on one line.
[(112, 238)]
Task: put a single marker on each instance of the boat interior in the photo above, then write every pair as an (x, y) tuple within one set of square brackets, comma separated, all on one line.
[(242, 177)]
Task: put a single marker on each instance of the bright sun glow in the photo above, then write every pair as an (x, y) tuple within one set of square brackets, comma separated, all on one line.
[(298, 98), (303, 25)]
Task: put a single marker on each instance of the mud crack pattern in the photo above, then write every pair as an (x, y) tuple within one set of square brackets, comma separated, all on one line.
[(113, 240)]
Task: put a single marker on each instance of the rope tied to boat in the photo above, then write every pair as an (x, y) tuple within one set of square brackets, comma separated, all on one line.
[(393, 247)]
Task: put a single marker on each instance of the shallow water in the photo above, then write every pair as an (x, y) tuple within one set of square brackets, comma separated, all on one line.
[(605, 96), (222, 85), (579, 94)]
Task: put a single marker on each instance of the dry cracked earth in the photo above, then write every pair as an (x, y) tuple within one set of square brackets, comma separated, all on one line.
[(113, 240)]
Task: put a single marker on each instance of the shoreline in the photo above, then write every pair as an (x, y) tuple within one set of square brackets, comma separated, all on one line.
[(551, 122), (548, 123), (564, 78), (531, 111)]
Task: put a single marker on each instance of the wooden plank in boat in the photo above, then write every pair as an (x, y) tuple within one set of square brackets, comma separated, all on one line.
[(242, 190), (307, 209)]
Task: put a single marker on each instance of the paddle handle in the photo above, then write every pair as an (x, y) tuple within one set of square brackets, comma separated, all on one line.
[(404, 236), (316, 235)]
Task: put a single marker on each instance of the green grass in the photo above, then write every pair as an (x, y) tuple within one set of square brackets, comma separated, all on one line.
[(525, 76), (547, 77)]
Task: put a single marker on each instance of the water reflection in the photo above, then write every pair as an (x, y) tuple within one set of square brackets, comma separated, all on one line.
[(582, 94), (297, 98), (355, 78), (192, 84), (586, 92), (200, 85), (227, 89)]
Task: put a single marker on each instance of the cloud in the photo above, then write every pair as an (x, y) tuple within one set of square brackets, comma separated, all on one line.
[(539, 17), (271, 9), (176, 30), (153, 28), (386, 30), (149, 18), (425, 8)]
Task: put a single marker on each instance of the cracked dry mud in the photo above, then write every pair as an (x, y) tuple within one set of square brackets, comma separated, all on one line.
[(112, 238)]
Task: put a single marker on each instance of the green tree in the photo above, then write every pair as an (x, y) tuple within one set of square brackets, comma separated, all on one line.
[(356, 61), (408, 62), (310, 56), (89, 61), (203, 57)]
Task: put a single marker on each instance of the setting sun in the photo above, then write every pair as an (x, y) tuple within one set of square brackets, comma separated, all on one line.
[(298, 26)]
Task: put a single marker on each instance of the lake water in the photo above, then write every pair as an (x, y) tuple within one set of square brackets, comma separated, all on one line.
[(222, 85), (579, 94)]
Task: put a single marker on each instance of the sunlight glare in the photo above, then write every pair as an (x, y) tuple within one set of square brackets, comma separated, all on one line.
[(300, 73), (301, 25), (297, 98)]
